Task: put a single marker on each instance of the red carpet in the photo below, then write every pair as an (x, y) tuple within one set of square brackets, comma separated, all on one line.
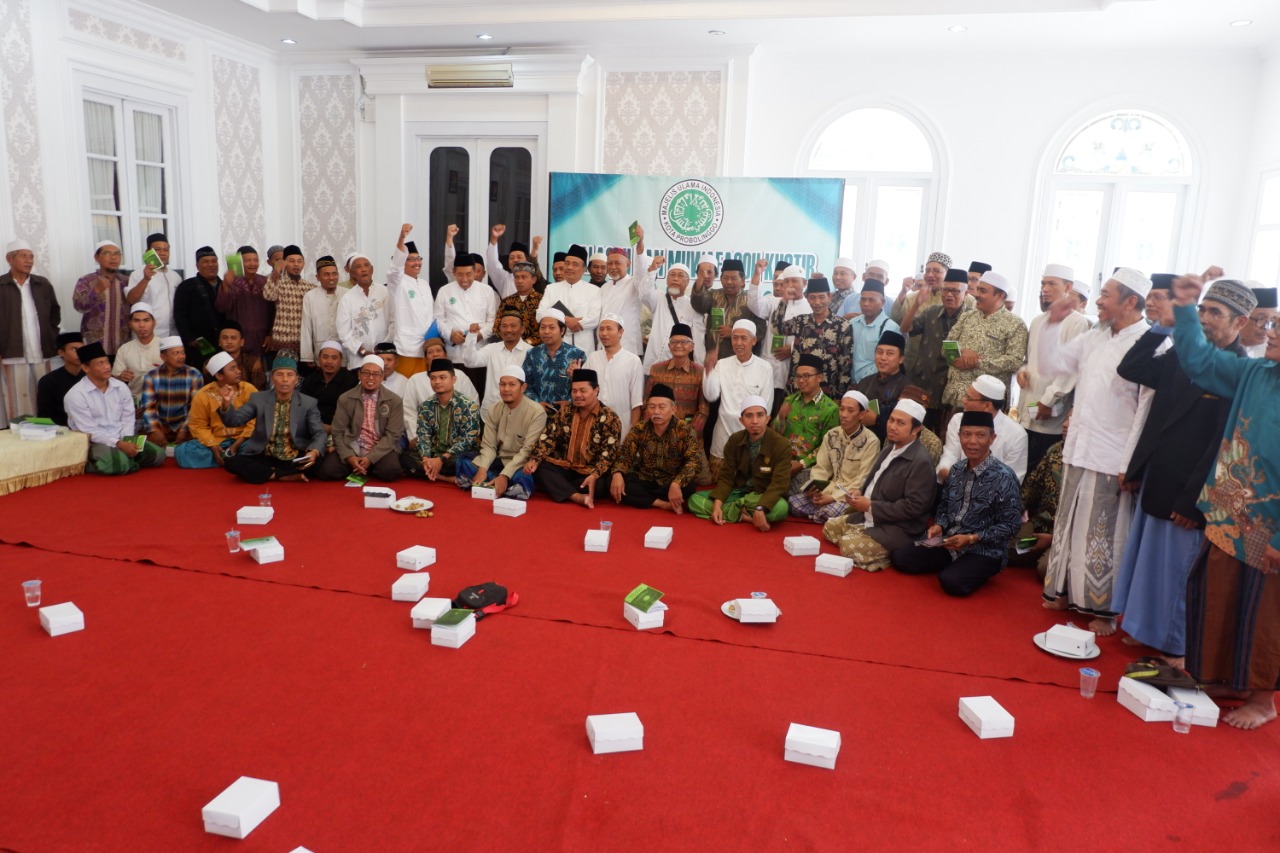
[(184, 680)]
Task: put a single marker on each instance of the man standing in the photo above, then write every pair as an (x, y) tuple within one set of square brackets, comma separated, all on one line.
[(54, 385), (156, 286), (1094, 511), (557, 267), (926, 362), (364, 314), (824, 336), (669, 309), (320, 311), (868, 328), (100, 297), (465, 312), (366, 429), (926, 289), (732, 381), (1171, 461), (619, 371), (979, 513), (550, 364), (723, 308), (139, 356), (412, 306), (844, 276), (804, 418), (213, 442), (841, 465), (582, 300), (195, 312), (976, 270), (503, 281), (240, 299), (620, 295), (102, 407), (1043, 405), (501, 354), (29, 321), (752, 483), (511, 428), (167, 392), (786, 303), (286, 287), (448, 427), (288, 436), (991, 340), (987, 394), (328, 382), (883, 388), (660, 458), (578, 445), (1254, 336), (598, 269)]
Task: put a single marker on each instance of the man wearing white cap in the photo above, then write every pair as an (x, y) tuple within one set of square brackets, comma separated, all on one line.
[(877, 269), (987, 394), (366, 429), (320, 312), (138, 356), (598, 268), (1083, 293), (364, 314), (511, 428), (496, 357), (621, 294), (549, 365), (329, 381), (579, 301), (412, 305), (100, 297), (786, 303), (619, 372), (212, 440), (167, 392), (896, 500), (732, 381), (991, 340), (843, 276), (29, 323), (668, 308), (1043, 404), (1094, 510), (752, 484), (841, 464)]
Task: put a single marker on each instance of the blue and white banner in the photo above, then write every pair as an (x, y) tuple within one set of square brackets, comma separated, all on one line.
[(796, 220)]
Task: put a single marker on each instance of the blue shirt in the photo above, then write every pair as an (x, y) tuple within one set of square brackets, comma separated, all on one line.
[(865, 337), (985, 501), (548, 377)]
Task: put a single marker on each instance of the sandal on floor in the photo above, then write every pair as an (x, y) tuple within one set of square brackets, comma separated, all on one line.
[(1159, 673)]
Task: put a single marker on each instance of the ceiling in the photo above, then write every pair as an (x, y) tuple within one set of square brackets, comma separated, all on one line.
[(664, 27)]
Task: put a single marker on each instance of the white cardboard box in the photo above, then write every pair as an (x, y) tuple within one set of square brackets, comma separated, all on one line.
[(255, 514), (454, 636), (596, 540), (509, 506), (483, 493), (642, 621), (833, 564), (809, 745), (1151, 704), (801, 546), (757, 610), (659, 537), (58, 619), (378, 497), (1073, 641), (241, 807), (410, 587), (986, 717), (1204, 710), (615, 733), (415, 558), (428, 610), (271, 552)]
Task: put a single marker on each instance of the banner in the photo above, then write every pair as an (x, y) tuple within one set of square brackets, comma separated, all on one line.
[(796, 220)]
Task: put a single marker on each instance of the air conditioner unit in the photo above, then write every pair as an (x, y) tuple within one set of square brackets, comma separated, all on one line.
[(493, 75)]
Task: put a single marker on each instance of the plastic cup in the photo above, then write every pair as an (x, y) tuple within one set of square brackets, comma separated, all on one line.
[(606, 526), (1182, 718), (31, 589), (233, 541), (1088, 681), (264, 499)]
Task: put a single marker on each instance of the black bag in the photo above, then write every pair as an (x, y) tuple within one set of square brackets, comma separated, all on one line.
[(486, 598)]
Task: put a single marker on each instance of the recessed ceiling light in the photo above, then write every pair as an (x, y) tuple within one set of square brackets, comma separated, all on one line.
[(956, 29), (715, 32), (484, 37), (1241, 23), (287, 41)]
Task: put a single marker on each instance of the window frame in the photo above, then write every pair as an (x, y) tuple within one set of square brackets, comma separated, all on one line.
[(1259, 227)]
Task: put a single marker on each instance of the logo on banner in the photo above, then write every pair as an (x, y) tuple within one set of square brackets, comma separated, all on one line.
[(691, 212)]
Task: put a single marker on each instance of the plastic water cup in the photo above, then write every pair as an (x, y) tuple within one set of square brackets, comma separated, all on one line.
[(233, 541), (264, 499), (31, 589), (1088, 681), (606, 526), (1182, 718)]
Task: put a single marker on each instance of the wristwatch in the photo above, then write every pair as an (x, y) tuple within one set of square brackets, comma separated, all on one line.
[(759, 509)]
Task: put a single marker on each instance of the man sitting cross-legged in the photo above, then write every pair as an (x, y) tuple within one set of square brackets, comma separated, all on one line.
[(167, 392), (511, 427), (753, 480), (843, 461), (578, 445), (288, 435), (102, 407), (212, 440), (660, 458), (366, 429), (980, 511), (448, 427)]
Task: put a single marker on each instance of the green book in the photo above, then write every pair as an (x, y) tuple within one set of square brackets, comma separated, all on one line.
[(633, 232), (357, 479), (873, 406), (258, 542), (151, 259), (717, 318), (137, 440), (951, 351), (206, 349), (453, 617), (32, 419), (643, 597), (235, 263), (778, 341)]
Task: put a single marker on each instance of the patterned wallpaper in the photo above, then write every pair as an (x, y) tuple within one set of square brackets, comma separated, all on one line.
[(237, 116), (21, 136), (125, 35), (327, 130), (662, 122)]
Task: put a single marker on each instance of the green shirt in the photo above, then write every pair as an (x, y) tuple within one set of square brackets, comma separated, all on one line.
[(804, 424)]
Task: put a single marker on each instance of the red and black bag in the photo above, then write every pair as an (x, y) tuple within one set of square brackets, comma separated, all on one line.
[(486, 599)]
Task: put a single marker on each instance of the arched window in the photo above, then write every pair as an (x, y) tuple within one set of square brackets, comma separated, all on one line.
[(888, 166), (1117, 196)]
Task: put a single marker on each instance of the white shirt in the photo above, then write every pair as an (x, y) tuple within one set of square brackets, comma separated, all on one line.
[(319, 320), (731, 382), (495, 357), (1257, 350), (763, 307), (867, 520), (1107, 407), (363, 321), (1010, 446), (621, 379), (1042, 388), (31, 351), (411, 305), (456, 309), (418, 391), (503, 281), (622, 297), (106, 416), (395, 383), (660, 332), (138, 357), (584, 302), (159, 295)]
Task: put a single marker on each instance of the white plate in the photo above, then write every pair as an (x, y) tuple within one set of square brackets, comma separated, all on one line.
[(1040, 641), (730, 609), (403, 504)]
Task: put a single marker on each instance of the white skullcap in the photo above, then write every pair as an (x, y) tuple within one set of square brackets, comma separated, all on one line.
[(515, 371), (708, 259), (171, 342), (753, 400), (597, 256), (910, 407), (847, 263), (217, 362), (143, 306), (1061, 271), (346, 262), (988, 386), (374, 360), (1083, 288), (355, 256), (98, 248), (995, 280), (851, 394), (793, 271), (613, 318), (675, 267), (553, 313), (745, 326), (18, 245), (1132, 279), (880, 265)]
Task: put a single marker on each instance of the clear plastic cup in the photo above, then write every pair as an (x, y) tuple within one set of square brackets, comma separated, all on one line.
[(1182, 718), (264, 499), (606, 526), (1088, 681), (31, 589), (233, 541)]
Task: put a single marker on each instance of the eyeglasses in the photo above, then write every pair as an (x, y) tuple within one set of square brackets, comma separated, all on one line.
[(680, 342), (369, 374), (1271, 325), (1263, 322), (807, 375), (951, 290)]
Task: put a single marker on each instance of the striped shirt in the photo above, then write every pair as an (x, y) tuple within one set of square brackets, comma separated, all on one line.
[(287, 293), (167, 395)]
